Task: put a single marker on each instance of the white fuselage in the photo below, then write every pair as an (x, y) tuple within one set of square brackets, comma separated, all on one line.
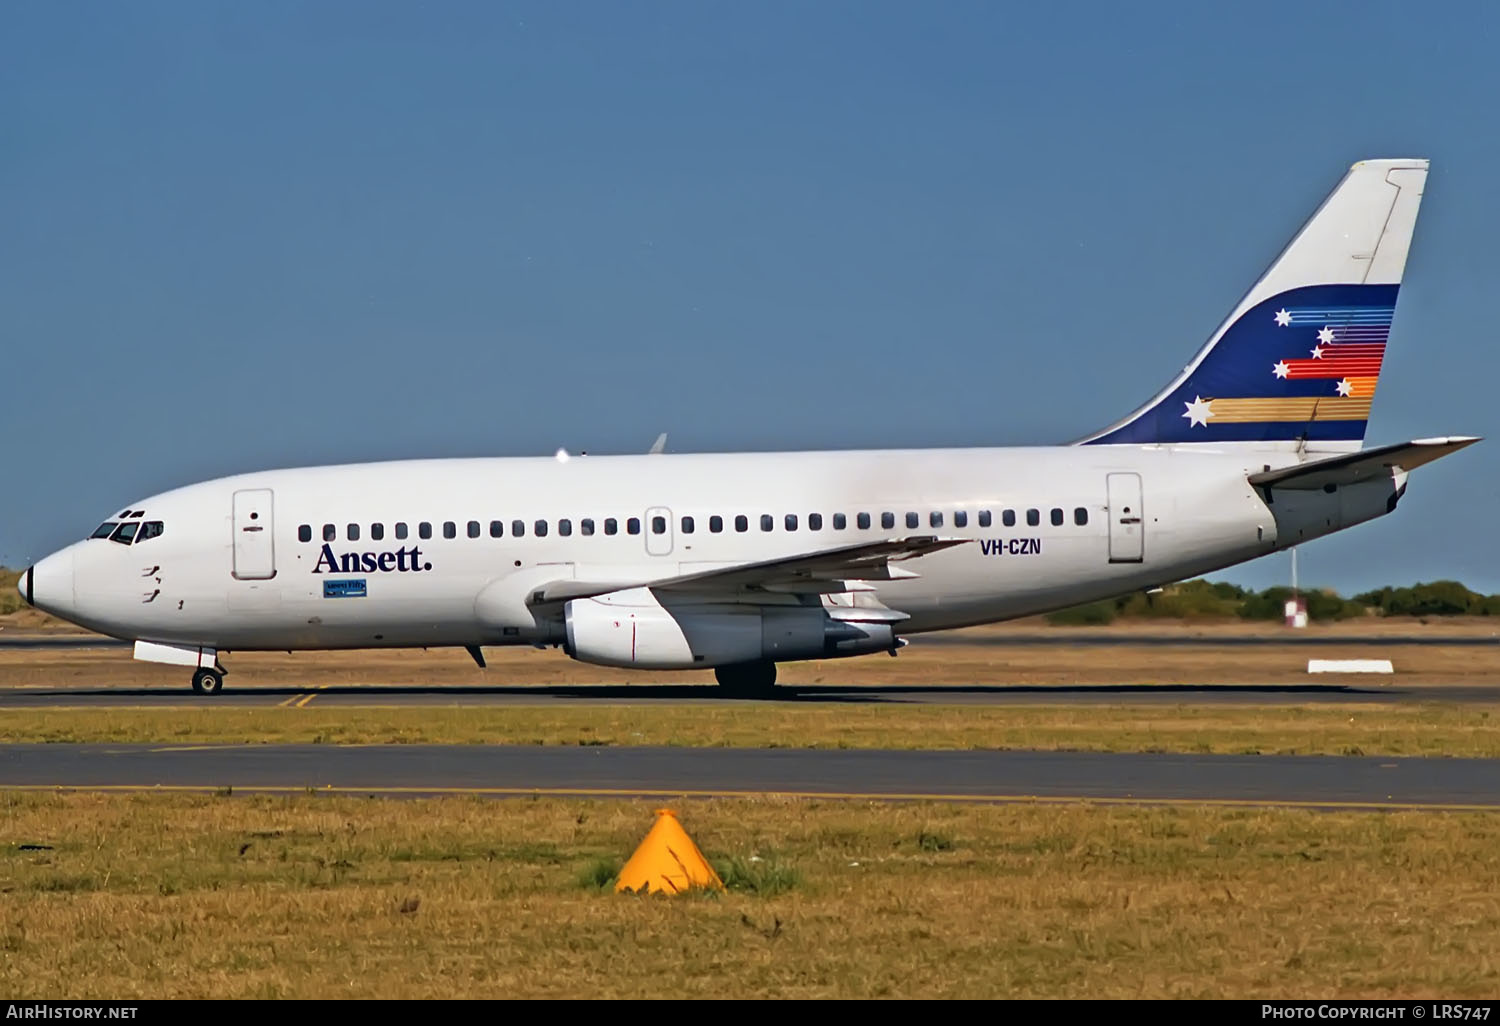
[(1131, 517)]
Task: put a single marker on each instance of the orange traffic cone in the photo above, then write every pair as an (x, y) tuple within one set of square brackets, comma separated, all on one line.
[(667, 860)]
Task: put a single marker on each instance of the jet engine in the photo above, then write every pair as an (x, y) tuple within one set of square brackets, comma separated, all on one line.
[(633, 628)]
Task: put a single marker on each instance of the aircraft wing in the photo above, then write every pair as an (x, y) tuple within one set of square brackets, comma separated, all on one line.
[(813, 572), (1351, 468)]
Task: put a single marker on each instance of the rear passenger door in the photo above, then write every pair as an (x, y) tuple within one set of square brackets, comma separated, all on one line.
[(1127, 521)]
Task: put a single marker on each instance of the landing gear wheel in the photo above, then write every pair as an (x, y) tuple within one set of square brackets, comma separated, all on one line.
[(208, 682), (747, 680)]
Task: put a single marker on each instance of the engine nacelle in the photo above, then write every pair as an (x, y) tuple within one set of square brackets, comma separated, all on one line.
[(632, 628)]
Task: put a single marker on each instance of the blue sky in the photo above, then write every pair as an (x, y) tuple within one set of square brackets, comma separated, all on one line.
[(240, 236)]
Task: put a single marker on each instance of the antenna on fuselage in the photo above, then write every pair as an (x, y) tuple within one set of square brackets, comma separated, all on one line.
[(659, 446)]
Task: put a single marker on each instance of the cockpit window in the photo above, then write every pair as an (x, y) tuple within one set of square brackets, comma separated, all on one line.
[(104, 529), (125, 533), (150, 529)]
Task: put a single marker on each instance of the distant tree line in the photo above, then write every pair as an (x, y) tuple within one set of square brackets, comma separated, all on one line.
[(1205, 600)]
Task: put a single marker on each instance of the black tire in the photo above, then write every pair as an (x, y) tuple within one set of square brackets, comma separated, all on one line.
[(208, 682), (747, 680)]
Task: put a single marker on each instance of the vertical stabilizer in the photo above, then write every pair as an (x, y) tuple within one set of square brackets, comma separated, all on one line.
[(1299, 357)]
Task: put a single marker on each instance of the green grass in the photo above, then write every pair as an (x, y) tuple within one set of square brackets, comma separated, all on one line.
[(175, 896), (1348, 729)]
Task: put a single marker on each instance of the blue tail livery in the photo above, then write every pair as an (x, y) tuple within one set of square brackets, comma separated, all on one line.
[(1299, 358)]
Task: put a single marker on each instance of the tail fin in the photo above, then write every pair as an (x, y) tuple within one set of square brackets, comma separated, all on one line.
[(1299, 358)]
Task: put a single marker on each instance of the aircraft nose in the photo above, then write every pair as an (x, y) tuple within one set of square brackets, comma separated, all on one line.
[(23, 585), (49, 584)]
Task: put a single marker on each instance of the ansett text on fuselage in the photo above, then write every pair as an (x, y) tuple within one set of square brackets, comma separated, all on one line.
[(402, 561)]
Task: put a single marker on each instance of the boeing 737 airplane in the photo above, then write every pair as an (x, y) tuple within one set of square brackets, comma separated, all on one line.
[(738, 562)]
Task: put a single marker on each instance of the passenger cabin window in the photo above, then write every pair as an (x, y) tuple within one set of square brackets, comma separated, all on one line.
[(125, 533), (1008, 518), (913, 520), (352, 532), (401, 530), (450, 529), (815, 521), (304, 533), (716, 524), (863, 520), (1057, 517), (541, 528), (150, 529), (887, 520), (473, 529), (565, 528), (742, 523), (1033, 517), (658, 525), (611, 525), (839, 522), (497, 528), (960, 518), (984, 518), (1081, 516), (518, 528), (586, 526), (424, 530), (105, 529), (687, 525), (767, 522), (791, 521), (377, 532), (633, 525), (935, 519), (330, 533)]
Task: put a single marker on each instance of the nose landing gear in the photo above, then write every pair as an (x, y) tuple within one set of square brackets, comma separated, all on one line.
[(208, 681)]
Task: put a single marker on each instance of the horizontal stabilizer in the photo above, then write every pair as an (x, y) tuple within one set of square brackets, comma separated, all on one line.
[(1351, 468)]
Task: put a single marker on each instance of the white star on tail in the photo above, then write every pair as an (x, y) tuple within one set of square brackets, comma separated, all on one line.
[(1317, 352), (1325, 336), (1198, 411), (1283, 318), (1345, 388), (1281, 370)]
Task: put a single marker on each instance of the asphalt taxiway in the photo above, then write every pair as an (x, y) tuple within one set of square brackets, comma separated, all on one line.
[(1313, 781)]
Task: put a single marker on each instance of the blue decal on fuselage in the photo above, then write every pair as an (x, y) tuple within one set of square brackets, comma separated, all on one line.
[(344, 588)]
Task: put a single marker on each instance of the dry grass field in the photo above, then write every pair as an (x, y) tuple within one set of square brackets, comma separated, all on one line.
[(179, 896), (1433, 729)]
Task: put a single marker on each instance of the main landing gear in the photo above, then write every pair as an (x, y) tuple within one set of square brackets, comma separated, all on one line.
[(747, 680), (208, 681)]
